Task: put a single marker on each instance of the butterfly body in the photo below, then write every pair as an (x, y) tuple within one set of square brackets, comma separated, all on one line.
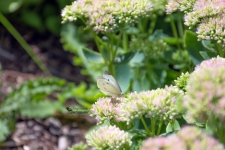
[(108, 85)]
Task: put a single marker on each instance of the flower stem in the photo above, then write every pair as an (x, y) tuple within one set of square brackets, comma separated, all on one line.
[(146, 127), (174, 30), (153, 125), (153, 24), (160, 126), (125, 41), (219, 49)]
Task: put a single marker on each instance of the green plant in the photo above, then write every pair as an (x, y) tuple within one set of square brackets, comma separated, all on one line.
[(41, 98)]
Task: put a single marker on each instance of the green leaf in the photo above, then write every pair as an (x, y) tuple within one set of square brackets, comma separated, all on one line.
[(193, 46), (172, 126), (124, 58), (137, 59), (35, 22), (40, 109), (123, 76), (53, 24), (208, 45), (92, 55), (208, 54), (9, 6), (136, 86), (4, 130), (138, 134)]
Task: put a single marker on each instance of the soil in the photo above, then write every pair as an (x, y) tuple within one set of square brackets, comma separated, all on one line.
[(58, 131)]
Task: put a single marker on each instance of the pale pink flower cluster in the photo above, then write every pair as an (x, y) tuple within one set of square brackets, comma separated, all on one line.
[(212, 63), (207, 15), (107, 15), (103, 110), (159, 104), (205, 96), (109, 137), (188, 138)]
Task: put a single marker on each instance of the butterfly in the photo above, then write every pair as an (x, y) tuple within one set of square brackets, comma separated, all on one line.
[(108, 85)]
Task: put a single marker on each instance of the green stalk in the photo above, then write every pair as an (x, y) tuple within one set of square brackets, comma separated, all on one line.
[(160, 126), (98, 46), (146, 127), (180, 28), (152, 25), (174, 30), (23, 43), (219, 49), (125, 41), (153, 125)]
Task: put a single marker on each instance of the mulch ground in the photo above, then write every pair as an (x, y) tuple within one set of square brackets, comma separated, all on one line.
[(56, 132)]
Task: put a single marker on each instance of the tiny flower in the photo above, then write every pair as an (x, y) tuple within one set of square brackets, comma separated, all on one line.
[(159, 103), (207, 16), (205, 96), (171, 142), (188, 138), (110, 138), (106, 16), (212, 63), (103, 110)]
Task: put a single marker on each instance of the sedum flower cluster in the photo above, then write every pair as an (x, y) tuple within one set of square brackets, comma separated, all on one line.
[(205, 96), (212, 63), (153, 49), (188, 138), (104, 109), (158, 6), (207, 15), (107, 15), (110, 138), (159, 104)]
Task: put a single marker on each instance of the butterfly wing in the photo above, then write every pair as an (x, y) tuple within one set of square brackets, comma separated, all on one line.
[(112, 80), (107, 87)]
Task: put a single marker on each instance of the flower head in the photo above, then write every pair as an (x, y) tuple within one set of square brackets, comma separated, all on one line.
[(107, 15), (103, 110), (159, 103), (187, 138), (205, 96), (212, 63), (207, 16), (109, 137)]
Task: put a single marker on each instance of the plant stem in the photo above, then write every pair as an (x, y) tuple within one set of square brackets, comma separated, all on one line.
[(153, 126), (23, 43), (174, 30), (160, 126), (153, 24), (125, 41), (146, 127), (180, 28), (219, 49), (98, 46)]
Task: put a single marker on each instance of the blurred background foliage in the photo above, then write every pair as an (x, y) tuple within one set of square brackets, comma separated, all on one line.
[(154, 57)]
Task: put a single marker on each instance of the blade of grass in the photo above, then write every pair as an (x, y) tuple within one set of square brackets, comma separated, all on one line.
[(23, 43)]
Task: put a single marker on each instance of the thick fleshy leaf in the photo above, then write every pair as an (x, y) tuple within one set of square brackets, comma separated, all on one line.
[(92, 55), (173, 126), (193, 47), (208, 45), (124, 58), (208, 54), (123, 76)]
